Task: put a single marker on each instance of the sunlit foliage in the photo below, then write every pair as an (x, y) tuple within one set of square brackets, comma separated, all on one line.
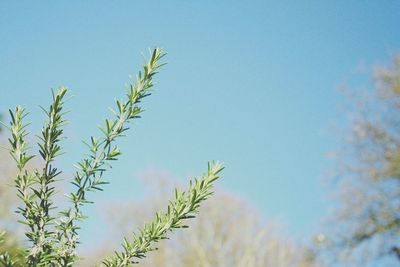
[(228, 232), (53, 235)]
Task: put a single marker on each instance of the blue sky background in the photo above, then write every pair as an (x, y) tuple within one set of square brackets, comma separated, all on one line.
[(252, 84)]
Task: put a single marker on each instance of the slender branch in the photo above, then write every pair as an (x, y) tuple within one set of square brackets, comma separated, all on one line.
[(25, 180), (185, 206), (89, 176), (49, 149)]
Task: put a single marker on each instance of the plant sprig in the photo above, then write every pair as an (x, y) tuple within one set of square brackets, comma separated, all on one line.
[(49, 149), (35, 188), (184, 206), (24, 180), (89, 176)]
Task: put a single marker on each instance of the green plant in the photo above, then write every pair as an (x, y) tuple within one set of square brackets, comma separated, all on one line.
[(54, 238), (249, 241)]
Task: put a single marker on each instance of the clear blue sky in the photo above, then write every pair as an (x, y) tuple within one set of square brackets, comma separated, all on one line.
[(250, 83)]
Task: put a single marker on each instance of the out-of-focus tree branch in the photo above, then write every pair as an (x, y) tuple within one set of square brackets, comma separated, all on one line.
[(367, 220)]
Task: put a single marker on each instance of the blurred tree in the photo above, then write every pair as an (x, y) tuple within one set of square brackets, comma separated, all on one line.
[(228, 232), (367, 221)]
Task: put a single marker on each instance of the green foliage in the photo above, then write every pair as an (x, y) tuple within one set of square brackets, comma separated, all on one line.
[(10, 253), (54, 238), (185, 206), (5, 258), (228, 231)]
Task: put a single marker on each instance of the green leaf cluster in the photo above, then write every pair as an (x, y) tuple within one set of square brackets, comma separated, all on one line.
[(185, 206), (54, 236)]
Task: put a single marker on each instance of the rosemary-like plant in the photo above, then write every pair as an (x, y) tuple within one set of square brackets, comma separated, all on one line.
[(5, 259), (54, 236)]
